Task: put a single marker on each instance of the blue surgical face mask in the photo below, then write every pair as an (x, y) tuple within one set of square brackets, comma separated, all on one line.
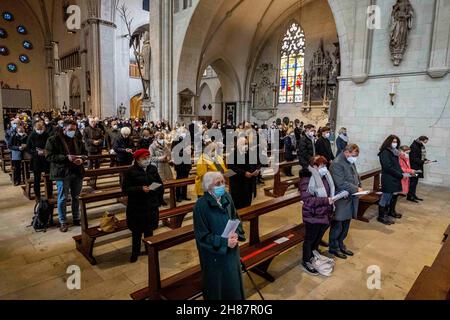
[(70, 134), (14, 125), (219, 191)]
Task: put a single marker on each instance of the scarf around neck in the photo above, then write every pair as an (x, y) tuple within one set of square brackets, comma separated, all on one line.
[(345, 138), (316, 186)]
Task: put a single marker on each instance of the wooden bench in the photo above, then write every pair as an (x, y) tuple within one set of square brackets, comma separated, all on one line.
[(372, 198), (5, 156), (256, 255), (172, 217), (433, 283), (279, 187)]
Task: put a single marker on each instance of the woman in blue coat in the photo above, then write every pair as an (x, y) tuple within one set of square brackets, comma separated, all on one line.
[(219, 257)]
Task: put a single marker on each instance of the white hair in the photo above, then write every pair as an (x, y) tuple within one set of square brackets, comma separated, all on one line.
[(208, 179), (125, 131)]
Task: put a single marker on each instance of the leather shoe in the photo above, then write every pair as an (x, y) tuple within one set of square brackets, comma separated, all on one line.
[(417, 198), (133, 259), (412, 199), (77, 223), (179, 200), (187, 199), (63, 228), (347, 252), (338, 254)]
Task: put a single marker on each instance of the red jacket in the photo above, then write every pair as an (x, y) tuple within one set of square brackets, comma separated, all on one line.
[(406, 167)]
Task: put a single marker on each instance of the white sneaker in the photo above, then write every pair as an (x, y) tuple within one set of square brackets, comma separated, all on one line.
[(324, 268), (318, 256)]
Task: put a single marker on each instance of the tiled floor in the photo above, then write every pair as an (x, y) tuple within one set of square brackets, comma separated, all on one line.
[(33, 265)]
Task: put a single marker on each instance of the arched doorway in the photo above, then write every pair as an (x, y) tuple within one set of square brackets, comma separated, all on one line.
[(136, 106)]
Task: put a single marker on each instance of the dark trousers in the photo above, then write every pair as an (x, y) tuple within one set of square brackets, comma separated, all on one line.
[(182, 173), (94, 163), (137, 238), (313, 234), (37, 184), (338, 233), (17, 170), (413, 187), (288, 171)]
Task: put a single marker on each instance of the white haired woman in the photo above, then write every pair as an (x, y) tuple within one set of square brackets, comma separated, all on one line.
[(219, 256), (123, 147)]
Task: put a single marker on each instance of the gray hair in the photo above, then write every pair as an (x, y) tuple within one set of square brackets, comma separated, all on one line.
[(125, 131), (208, 179)]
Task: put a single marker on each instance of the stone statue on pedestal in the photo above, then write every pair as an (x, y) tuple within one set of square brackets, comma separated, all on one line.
[(144, 56), (402, 19)]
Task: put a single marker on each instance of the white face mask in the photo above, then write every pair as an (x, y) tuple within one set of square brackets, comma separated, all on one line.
[(161, 142), (144, 163), (183, 135), (327, 135), (407, 155), (394, 145), (352, 160), (323, 171), (21, 134), (39, 131)]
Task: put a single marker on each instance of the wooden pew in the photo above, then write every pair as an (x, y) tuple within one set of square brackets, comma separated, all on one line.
[(256, 255), (372, 198), (433, 283), (172, 217), (5, 156), (279, 187)]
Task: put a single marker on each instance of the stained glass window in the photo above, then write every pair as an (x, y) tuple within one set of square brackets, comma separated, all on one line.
[(292, 65), (3, 33), (27, 45), (22, 30), (8, 16), (24, 58), (12, 67)]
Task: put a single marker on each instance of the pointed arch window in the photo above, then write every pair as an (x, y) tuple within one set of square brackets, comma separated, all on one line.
[(292, 65)]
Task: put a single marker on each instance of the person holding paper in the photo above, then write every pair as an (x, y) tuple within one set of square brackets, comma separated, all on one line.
[(219, 256), (346, 178), (391, 179), (418, 157), (243, 183), (317, 191), (140, 183)]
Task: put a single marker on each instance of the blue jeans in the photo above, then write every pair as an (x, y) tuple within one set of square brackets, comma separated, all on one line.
[(73, 184), (386, 199), (338, 233)]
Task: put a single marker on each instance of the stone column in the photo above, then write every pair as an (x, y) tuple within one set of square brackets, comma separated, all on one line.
[(362, 45), (99, 30), (439, 64), (161, 42)]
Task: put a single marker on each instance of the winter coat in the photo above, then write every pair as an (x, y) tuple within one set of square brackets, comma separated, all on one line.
[(346, 178), (406, 168), (220, 265), (157, 152), (242, 188), (14, 144), (182, 169), (57, 152), (120, 146), (391, 172), (323, 148), (316, 210), (205, 164), (112, 136), (90, 135), (415, 157), (340, 145), (38, 141), (142, 208), (290, 148), (306, 150)]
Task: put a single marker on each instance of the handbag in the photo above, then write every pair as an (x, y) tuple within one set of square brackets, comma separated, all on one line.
[(108, 222)]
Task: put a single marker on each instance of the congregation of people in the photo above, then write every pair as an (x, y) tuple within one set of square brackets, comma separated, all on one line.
[(330, 185)]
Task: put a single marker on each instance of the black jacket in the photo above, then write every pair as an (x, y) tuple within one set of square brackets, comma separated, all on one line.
[(323, 148), (415, 157), (145, 143), (57, 152), (182, 169), (391, 172), (305, 151), (120, 146), (142, 207), (242, 188), (90, 135), (35, 140)]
